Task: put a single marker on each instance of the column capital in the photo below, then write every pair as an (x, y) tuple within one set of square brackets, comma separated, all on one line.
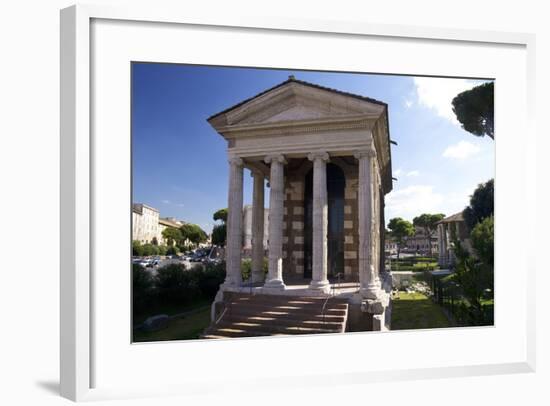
[(235, 160), (322, 155), (369, 151), (275, 158)]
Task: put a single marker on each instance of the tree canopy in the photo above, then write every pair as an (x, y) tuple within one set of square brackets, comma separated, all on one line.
[(219, 234), (474, 109), (428, 221), (400, 229), (171, 235), (193, 233), (482, 204), (221, 214)]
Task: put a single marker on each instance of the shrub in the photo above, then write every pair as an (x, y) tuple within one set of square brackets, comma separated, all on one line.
[(246, 268), (142, 287), (483, 240), (148, 250), (176, 285), (171, 251), (212, 277)]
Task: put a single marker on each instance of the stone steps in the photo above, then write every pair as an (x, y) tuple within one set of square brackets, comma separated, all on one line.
[(263, 315)]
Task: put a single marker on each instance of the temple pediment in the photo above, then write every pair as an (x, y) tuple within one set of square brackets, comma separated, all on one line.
[(297, 101), (297, 117)]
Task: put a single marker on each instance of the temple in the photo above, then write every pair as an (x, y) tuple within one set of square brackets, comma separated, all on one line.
[(325, 155)]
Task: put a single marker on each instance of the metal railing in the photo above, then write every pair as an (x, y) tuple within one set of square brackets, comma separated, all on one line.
[(332, 294)]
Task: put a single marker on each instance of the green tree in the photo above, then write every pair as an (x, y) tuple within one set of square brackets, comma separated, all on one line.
[(148, 250), (219, 232), (474, 109), (221, 215), (171, 235), (400, 229), (193, 233), (137, 249), (482, 204), (483, 236), (428, 222)]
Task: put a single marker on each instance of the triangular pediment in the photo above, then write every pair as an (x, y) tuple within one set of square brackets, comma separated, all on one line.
[(297, 101)]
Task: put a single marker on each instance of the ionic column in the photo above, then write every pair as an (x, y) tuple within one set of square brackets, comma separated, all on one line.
[(319, 279), (367, 274), (445, 252), (440, 243), (275, 231), (257, 272), (234, 223)]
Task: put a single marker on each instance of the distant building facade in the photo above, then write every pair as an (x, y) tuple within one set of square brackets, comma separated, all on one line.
[(147, 225), (422, 243), (448, 230)]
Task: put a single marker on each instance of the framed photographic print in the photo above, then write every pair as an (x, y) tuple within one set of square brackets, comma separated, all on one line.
[(298, 200)]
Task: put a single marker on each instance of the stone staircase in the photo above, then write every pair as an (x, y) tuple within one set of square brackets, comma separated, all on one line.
[(246, 315)]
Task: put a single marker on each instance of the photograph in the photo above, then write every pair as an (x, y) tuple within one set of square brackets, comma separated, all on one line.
[(277, 202)]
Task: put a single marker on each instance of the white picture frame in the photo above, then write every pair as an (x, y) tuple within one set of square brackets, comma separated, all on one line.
[(77, 281)]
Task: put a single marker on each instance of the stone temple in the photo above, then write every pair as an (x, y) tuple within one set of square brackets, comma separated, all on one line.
[(325, 155)]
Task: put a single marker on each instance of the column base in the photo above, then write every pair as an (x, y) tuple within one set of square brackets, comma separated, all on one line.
[(320, 286), (274, 285), (230, 284), (257, 277), (370, 292)]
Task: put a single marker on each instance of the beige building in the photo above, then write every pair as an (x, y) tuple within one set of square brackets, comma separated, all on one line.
[(145, 223), (326, 156)]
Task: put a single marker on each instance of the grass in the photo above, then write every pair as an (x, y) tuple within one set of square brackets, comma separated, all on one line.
[(184, 328), (169, 310), (415, 311)]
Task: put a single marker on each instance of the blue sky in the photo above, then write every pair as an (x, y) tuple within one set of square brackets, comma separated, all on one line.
[(179, 161)]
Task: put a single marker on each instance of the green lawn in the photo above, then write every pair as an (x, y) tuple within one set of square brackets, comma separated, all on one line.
[(184, 328), (170, 310), (414, 311)]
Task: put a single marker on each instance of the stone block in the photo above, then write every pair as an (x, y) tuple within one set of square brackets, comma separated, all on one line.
[(348, 239), (298, 240), (347, 209), (350, 254), (297, 225), (350, 193), (372, 306), (298, 210), (156, 323), (348, 224)]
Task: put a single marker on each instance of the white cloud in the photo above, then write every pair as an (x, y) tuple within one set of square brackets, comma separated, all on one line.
[(438, 94), (462, 150), (412, 201), (165, 201), (397, 172), (408, 103), (413, 173)]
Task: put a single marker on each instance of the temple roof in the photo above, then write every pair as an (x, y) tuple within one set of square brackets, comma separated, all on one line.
[(302, 82)]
